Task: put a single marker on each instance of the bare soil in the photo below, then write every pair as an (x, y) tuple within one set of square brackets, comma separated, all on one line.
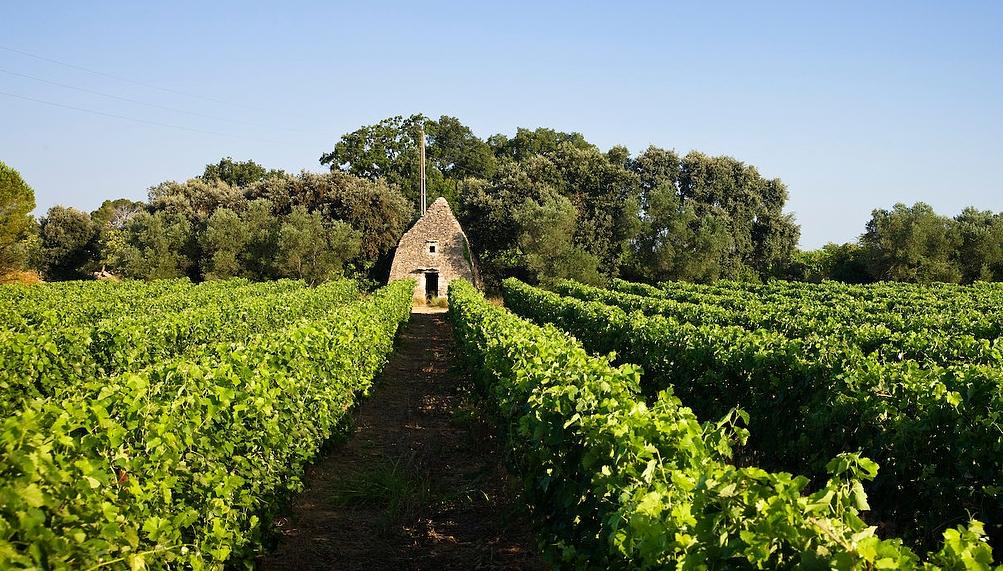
[(419, 485)]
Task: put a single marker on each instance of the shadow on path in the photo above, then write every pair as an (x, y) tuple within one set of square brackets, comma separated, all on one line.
[(420, 483)]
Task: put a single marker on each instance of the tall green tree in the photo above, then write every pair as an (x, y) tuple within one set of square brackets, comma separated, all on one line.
[(911, 244), (656, 167), (379, 212), (532, 142), (154, 245), (979, 255), (68, 240), (222, 241), (117, 212), (841, 262), (17, 200), (387, 150), (456, 152), (605, 196), (487, 212), (237, 173), (764, 238), (262, 227), (195, 199), (675, 243), (312, 251), (487, 207), (546, 239)]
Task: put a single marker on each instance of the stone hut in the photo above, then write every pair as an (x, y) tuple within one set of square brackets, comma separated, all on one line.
[(434, 252)]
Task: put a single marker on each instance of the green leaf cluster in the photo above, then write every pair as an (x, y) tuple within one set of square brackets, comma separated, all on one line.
[(177, 465), (923, 402), (621, 483)]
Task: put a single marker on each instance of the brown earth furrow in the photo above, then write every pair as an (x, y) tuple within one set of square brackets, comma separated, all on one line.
[(453, 505)]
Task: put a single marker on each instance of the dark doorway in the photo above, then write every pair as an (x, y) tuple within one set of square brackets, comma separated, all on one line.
[(431, 285)]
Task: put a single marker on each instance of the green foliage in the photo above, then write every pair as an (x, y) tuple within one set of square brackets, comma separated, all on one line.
[(68, 243), (110, 220), (980, 245), (725, 219), (656, 168), (763, 237), (605, 196), (912, 387), (154, 246), (841, 262), (677, 244), (54, 348), (619, 483), (528, 143), (208, 229), (911, 244), (196, 199), (177, 465), (456, 152), (262, 227), (377, 211), (546, 240), (225, 237), (17, 200), (236, 173), (310, 250), (387, 150)]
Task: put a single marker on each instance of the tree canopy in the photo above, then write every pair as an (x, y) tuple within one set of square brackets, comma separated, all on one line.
[(17, 200), (540, 204), (727, 220)]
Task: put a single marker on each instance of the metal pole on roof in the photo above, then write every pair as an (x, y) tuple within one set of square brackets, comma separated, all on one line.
[(421, 170)]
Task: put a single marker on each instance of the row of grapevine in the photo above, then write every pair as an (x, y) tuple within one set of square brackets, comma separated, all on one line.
[(620, 483), (73, 303), (903, 296), (975, 310), (884, 332), (176, 465), (935, 430), (39, 362)]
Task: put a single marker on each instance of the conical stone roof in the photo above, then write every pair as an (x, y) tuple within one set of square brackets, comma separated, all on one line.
[(436, 243)]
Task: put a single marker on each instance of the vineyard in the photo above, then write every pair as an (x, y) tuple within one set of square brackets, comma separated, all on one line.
[(166, 425), (158, 425), (774, 426)]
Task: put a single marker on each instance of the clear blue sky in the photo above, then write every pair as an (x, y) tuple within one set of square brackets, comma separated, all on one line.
[(855, 105)]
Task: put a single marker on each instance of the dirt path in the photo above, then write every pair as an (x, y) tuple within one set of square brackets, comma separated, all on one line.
[(420, 483)]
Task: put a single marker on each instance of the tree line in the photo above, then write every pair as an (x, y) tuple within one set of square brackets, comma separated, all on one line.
[(912, 244), (237, 219), (539, 205)]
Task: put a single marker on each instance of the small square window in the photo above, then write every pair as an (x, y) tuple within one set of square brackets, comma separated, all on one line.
[(433, 246)]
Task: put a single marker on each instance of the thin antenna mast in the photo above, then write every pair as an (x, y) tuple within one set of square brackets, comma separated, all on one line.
[(421, 170)]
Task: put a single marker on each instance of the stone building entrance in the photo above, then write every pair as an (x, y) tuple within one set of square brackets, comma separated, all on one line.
[(433, 253), (431, 285)]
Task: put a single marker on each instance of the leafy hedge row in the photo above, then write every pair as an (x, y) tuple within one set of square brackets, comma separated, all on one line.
[(76, 303), (859, 327), (44, 361), (970, 310), (935, 431), (176, 465), (618, 483)]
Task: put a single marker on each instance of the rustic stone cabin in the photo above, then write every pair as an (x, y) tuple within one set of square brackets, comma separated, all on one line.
[(434, 252)]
